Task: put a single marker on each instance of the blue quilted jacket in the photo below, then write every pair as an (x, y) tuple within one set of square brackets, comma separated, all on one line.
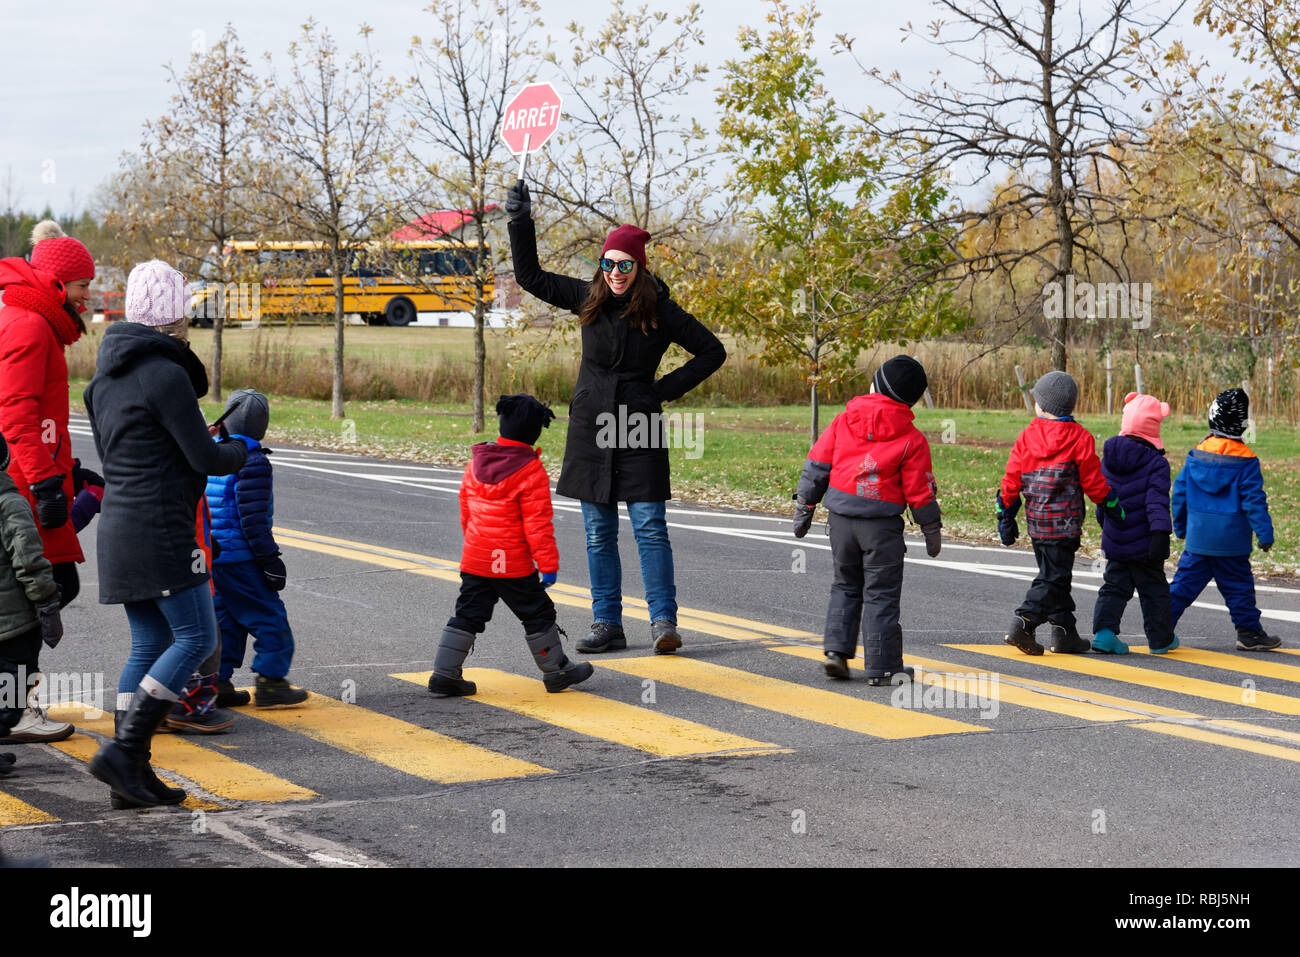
[(1138, 472), (1219, 499), (242, 508)]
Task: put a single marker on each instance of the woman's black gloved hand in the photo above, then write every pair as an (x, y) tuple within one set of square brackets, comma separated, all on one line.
[(519, 205), (51, 502)]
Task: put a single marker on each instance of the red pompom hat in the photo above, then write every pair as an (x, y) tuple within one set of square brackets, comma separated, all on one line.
[(60, 255), (628, 239)]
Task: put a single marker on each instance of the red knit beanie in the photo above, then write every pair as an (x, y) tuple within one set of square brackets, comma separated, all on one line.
[(60, 255), (628, 239)]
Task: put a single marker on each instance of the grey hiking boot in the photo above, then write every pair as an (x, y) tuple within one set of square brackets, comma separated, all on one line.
[(1257, 641), (276, 693), (664, 635), (603, 637)]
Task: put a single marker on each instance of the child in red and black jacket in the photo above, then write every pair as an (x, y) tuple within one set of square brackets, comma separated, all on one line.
[(871, 464), (505, 514), (1055, 462)]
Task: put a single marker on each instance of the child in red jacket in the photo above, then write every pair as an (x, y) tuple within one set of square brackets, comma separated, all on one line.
[(505, 513), (1055, 462), (871, 464)]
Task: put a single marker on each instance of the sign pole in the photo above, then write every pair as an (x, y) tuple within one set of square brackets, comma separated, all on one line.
[(523, 158)]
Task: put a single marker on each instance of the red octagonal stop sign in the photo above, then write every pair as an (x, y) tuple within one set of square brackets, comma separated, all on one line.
[(531, 118)]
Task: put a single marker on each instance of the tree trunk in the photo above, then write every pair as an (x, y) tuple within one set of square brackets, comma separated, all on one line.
[(336, 407), (813, 431), (218, 324), (1057, 196), (480, 359)]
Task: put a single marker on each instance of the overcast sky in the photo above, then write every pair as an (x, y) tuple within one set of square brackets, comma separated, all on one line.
[(79, 78)]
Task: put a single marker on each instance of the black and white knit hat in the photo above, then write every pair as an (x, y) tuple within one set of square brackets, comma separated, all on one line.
[(902, 378), (1229, 413)]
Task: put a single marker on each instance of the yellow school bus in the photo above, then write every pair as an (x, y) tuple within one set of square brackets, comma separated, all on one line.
[(386, 283)]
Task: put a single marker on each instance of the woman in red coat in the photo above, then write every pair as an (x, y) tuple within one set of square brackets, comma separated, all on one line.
[(40, 319)]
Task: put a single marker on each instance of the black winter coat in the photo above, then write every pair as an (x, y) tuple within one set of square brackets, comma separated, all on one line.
[(618, 369), (157, 457)]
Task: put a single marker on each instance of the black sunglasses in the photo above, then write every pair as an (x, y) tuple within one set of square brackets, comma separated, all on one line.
[(625, 266)]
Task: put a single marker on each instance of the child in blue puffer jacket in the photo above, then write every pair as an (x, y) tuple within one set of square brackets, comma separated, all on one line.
[(1218, 502), (1137, 544), (247, 572)]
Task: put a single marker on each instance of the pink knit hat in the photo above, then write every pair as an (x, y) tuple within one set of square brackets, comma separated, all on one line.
[(1142, 417), (155, 294)]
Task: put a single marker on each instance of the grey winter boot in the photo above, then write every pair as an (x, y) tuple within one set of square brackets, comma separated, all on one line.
[(558, 672), (453, 648)]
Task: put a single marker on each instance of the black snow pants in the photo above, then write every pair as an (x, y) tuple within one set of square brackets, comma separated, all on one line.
[(868, 556), (1049, 598)]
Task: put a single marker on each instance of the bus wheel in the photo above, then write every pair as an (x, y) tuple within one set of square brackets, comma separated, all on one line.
[(203, 322), (400, 312)]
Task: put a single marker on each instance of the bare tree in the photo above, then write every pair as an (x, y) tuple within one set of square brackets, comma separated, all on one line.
[(1045, 125), (477, 57), (330, 123), (188, 192)]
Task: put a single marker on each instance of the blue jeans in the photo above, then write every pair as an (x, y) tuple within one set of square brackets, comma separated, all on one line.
[(606, 571), (169, 638)]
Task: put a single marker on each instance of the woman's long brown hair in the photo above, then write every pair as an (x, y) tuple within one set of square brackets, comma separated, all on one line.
[(642, 306)]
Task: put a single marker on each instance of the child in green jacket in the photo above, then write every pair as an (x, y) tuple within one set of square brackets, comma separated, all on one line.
[(29, 602)]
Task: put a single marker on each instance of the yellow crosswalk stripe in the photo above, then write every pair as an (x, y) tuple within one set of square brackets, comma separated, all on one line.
[(1094, 667), (1088, 705), (397, 744), (713, 623), (13, 811), (1258, 665), (641, 728), (787, 697), (213, 771), (83, 748)]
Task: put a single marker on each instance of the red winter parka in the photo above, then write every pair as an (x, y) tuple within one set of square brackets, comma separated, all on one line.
[(872, 462), (505, 513), (1055, 462), (34, 331)]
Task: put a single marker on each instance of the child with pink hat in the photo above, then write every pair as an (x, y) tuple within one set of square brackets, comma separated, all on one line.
[(1136, 544)]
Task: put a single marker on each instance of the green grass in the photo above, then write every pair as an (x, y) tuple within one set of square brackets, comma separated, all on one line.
[(751, 457)]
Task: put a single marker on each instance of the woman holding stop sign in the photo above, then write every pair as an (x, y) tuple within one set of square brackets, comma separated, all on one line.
[(628, 321)]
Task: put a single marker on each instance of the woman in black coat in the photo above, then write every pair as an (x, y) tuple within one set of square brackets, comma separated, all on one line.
[(157, 454), (616, 449)]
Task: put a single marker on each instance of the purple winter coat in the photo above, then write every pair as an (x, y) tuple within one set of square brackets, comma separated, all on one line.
[(1139, 474)]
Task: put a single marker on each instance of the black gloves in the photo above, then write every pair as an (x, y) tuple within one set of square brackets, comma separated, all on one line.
[(933, 539), (51, 624), (51, 502), (1158, 547), (803, 516), (519, 205), (272, 569), (81, 477), (1008, 530), (1265, 546)]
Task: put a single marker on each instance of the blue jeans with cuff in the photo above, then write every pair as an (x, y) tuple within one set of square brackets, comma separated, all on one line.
[(650, 530), (169, 638)]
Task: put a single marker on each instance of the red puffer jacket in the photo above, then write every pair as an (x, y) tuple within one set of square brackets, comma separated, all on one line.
[(1055, 462), (505, 513), (34, 330), (872, 462)]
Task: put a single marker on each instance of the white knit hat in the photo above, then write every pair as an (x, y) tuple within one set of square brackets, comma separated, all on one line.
[(155, 294)]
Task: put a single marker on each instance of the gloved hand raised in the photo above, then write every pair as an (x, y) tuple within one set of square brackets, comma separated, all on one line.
[(51, 502), (803, 516), (519, 204), (933, 538), (272, 569)]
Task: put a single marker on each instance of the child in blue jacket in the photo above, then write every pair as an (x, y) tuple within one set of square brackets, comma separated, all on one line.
[(247, 572), (1218, 502)]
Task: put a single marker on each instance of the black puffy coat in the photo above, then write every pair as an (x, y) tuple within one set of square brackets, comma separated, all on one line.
[(619, 365), (157, 457)]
